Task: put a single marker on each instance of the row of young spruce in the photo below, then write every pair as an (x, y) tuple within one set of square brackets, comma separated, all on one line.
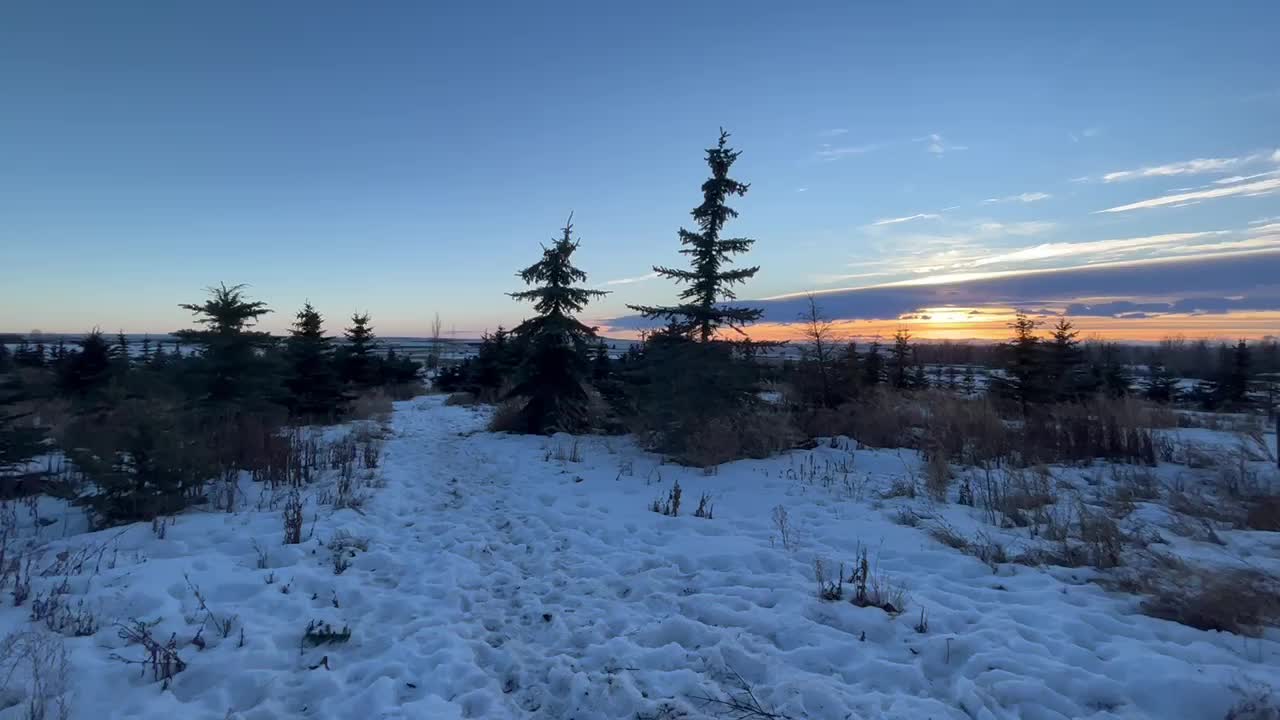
[(136, 436)]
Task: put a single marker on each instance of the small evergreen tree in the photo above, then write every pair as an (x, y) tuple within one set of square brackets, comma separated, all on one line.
[(900, 362), (1110, 375), (703, 314), (968, 383), (120, 351), (357, 358), (850, 369), (1065, 361), (1023, 379), (1161, 386), (88, 370), (230, 367), (21, 441), (314, 389), (553, 378), (873, 366), (1230, 387)]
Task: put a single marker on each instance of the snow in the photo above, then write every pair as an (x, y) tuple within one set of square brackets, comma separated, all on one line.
[(505, 579)]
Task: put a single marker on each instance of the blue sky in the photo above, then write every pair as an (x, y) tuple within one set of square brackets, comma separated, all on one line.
[(408, 160)]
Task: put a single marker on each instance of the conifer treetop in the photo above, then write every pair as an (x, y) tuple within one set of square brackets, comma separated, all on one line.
[(554, 294), (702, 314)]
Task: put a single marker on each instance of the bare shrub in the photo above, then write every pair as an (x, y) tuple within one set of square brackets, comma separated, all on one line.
[(1241, 600), (35, 666), (741, 702), (875, 589), (562, 451), (711, 443), (371, 404), (464, 399), (1258, 703), (828, 589), (671, 506), (54, 610), (320, 632), (782, 524), (754, 433), (937, 476), (705, 509), (160, 658), (293, 518)]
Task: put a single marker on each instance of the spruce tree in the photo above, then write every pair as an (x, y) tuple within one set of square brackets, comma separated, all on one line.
[(120, 351), (313, 387), (1161, 386), (900, 363), (703, 314), (873, 367), (1110, 375), (968, 383), (1065, 361), (21, 441), (1230, 386), (87, 371), (1024, 378), (357, 358), (230, 367), (552, 380)]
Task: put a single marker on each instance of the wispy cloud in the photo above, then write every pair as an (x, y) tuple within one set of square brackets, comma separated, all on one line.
[(938, 144), (1026, 197), (1094, 250), (830, 152), (1260, 187), (833, 132), (1241, 178), (907, 218), (1198, 166), (630, 280)]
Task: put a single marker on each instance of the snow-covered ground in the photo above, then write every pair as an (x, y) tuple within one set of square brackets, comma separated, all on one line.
[(495, 576)]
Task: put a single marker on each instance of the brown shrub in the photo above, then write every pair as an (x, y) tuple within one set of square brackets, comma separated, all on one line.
[(464, 399), (506, 416), (758, 433), (372, 404), (1240, 601)]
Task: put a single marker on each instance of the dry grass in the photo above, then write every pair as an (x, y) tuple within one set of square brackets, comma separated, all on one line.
[(372, 404), (1240, 601), (506, 416), (758, 433), (973, 431)]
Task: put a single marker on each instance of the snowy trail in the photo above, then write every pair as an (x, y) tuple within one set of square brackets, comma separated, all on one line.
[(506, 584), (505, 580)]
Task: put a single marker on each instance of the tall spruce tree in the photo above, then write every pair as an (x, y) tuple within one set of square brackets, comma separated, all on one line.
[(314, 389), (230, 368), (552, 381), (703, 314)]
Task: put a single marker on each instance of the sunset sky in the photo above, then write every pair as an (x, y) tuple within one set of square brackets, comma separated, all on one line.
[(934, 165)]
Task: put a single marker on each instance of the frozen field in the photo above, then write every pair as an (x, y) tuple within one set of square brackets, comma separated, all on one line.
[(494, 576)]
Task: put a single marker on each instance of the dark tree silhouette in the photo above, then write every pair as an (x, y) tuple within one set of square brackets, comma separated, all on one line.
[(552, 381), (314, 389), (229, 366), (702, 313)]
